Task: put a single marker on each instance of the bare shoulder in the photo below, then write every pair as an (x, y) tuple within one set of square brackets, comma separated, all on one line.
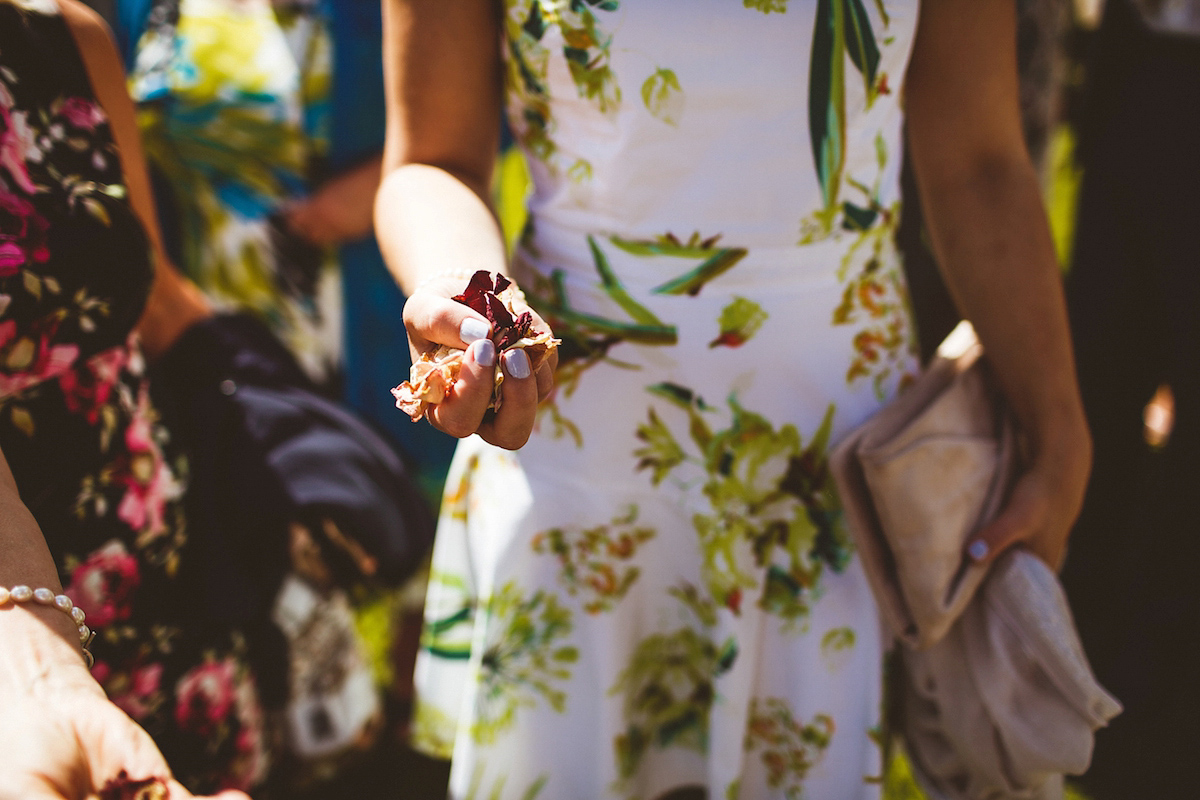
[(83, 21), (93, 36), (99, 51)]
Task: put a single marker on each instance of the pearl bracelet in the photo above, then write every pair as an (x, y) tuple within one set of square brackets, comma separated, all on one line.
[(46, 597)]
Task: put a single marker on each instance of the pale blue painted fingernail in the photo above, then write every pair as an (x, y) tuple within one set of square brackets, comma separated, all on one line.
[(485, 352), (472, 330), (978, 550), (517, 364)]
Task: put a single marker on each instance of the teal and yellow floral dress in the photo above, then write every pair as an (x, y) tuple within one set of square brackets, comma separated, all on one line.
[(233, 100), (658, 591)]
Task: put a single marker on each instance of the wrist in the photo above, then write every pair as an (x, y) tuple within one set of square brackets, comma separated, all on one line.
[(56, 611), (39, 646), (1060, 443), (455, 277)]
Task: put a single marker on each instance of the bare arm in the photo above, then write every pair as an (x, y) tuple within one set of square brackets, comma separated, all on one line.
[(26, 560), (175, 303), (342, 209), (992, 239), (442, 79), (432, 218), (59, 735)]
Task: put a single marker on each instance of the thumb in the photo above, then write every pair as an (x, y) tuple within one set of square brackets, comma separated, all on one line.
[(115, 744), (1020, 519)]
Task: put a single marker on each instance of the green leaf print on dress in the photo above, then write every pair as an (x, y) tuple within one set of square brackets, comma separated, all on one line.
[(767, 6), (449, 635), (587, 338), (739, 321), (874, 294), (663, 97), (842, 32), (476, 791), (668, 689), (717, 260), (450, 620), (596, 561), (524, 658), (774, 522), (585, 47), (787, 749)]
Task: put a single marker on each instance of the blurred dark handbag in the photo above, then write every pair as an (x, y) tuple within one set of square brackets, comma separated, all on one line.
[(264, 441), (277, 470), (998, 700)]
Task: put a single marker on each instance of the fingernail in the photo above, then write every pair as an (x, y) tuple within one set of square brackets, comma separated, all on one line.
[(485, 352), (472, 330), (978, 550), (517, 364)]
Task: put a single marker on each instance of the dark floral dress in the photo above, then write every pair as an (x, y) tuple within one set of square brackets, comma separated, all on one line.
[(91, 458)]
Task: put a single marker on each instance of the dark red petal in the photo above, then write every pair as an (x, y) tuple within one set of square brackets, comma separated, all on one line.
[(523, 323), (496, 313), (505, 338), (475, 295)]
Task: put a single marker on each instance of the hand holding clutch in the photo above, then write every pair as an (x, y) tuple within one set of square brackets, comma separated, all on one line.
[(998, 698)]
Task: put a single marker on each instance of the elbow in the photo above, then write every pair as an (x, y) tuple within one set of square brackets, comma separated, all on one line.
[(468, 158)]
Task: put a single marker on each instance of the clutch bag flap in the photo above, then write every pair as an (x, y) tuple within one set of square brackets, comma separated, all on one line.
[(917, 479)]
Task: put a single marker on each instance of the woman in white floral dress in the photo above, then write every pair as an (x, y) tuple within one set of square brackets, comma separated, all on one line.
[(656, 591)]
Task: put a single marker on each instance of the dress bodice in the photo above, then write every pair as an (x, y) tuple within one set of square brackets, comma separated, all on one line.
[(777, 118)]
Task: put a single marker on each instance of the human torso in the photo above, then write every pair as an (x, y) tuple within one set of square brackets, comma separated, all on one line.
[(713, 149), (661, 577)]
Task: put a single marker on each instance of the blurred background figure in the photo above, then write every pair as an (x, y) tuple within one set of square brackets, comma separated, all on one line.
[(1133, 291), (264, 125), (233, 106)]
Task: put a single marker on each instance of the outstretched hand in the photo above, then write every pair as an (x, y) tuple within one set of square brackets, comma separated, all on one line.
[(433, 318)]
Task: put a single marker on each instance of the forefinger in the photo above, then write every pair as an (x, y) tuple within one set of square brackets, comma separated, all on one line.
[(432, 319)]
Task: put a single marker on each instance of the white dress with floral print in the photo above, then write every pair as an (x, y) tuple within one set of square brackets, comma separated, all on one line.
[(658, 590)]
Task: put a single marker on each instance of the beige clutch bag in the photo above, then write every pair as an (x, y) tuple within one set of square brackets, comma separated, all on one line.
[(1005, 704), (998, 698), (920, 477)]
